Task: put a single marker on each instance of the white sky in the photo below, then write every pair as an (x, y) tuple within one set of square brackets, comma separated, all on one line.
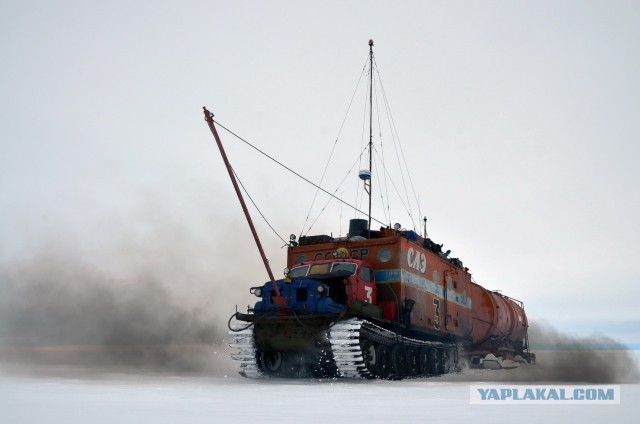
[(519, 120)]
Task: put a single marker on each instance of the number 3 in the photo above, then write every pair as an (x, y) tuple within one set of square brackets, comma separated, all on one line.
[(369, 290)]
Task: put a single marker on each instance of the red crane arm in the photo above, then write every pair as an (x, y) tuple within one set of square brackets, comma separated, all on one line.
[(278, 299)]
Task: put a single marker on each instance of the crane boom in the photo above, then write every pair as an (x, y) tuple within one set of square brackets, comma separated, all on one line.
[(278, 299)]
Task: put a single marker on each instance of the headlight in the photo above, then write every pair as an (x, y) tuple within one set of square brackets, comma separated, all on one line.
[(320, 289), (258, 292)]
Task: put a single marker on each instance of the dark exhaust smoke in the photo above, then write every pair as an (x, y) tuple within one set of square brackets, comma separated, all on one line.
[(160, 303), (562, 358)]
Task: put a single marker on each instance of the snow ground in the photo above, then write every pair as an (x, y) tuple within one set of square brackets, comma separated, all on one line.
[(75, 396)]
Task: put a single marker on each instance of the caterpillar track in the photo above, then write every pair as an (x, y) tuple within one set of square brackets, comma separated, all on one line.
[(246, 354), (352, 348)]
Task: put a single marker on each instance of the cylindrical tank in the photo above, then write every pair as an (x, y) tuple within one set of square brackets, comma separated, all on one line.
[(495, 315)]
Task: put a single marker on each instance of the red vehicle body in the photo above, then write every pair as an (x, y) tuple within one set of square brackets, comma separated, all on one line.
[(418, 286)]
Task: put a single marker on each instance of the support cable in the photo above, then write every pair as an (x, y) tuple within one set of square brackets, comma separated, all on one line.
[(359, 194), (396, 143), (406, 208), (291, 170), (392, 122), (386, 185), (375, 165), (334, 192), (257, 208), (335, 143)]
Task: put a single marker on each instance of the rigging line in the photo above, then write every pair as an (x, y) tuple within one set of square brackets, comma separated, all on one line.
[(396, 145), (256, 206), (375, 164), (404, 184), (386, 186), (335, 191), (335, 143), (340, 223), (384, 94), (359, 194), (407, 209), (396, 188), (396, 142), (290, 170)]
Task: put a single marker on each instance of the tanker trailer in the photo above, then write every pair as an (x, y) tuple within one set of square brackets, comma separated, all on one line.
[(499, 330)]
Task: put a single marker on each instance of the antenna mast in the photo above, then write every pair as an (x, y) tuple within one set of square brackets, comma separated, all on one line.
[(370, 128)]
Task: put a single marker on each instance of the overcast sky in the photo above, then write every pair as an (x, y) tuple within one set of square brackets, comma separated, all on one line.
[(519, 121)]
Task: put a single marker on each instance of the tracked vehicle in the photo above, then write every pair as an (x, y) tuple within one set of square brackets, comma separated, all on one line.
[(389, 306), (385, 303)]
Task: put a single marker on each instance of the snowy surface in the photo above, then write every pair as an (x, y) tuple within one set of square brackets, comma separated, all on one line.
[(118, 397)]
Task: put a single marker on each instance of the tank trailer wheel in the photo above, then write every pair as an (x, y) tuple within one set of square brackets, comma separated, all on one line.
[(383, 361), (413, 363), (399, 359)]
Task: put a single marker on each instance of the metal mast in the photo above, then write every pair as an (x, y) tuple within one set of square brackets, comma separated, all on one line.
[(370, 127)]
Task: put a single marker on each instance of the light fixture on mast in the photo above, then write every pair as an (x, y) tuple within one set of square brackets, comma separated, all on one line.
[(365, 175)]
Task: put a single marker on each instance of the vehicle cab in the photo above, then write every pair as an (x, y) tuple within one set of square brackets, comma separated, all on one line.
[(322, 286), (359, 283)]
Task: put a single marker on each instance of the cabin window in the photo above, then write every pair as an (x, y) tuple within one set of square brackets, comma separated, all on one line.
[(344, 266), (320, 268), (298, 272), (366, 274)]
